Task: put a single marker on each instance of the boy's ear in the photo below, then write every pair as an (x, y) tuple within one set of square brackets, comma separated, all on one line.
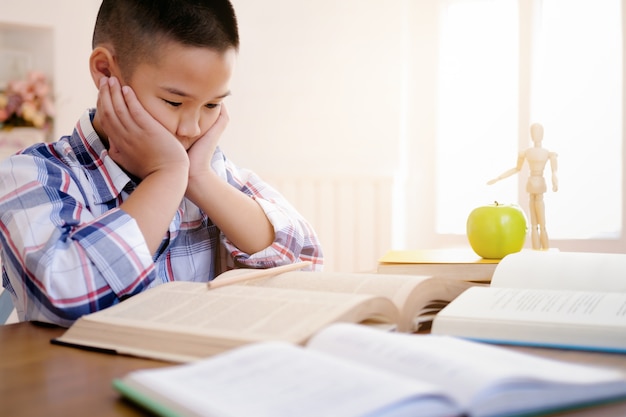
[(102, 63)]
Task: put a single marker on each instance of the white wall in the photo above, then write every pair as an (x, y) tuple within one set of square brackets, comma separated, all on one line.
[(318, 86), (322, 88), (319, 91), (71, 22), (415, 186)]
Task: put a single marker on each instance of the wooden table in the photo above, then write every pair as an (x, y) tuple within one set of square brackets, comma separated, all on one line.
[(41, 379)]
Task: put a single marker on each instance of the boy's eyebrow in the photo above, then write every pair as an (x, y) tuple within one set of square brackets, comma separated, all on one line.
[(226, 94), (178, 92)]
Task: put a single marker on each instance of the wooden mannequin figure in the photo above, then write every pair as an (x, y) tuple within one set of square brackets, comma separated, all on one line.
[(537, 157)]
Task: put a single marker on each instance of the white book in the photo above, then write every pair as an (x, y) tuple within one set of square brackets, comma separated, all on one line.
[(350, 370), (555, 299)]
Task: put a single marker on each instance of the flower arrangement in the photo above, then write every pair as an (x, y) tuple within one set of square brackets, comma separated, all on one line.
[(27, 102)]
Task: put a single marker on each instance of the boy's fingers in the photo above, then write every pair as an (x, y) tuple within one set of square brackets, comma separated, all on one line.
[(134, 107), (205, 147), (220, 124), (119, 104), (139, 115), (104, 99), (109, 116)]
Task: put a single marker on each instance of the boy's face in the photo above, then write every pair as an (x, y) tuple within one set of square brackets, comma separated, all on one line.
[(184, 88)]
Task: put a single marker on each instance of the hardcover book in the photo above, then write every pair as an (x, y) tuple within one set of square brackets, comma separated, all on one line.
[(184, 321), (460, 263)]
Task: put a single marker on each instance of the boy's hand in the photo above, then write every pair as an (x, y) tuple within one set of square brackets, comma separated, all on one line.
[(201, 152), (239, 217), (137, 142)]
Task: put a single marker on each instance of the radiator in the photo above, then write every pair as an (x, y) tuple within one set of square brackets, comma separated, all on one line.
[(352, 216)]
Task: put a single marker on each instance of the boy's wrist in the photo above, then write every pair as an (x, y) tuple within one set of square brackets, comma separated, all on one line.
[(172, 175)]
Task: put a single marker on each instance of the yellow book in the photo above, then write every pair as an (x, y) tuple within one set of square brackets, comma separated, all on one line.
[(459, 263)]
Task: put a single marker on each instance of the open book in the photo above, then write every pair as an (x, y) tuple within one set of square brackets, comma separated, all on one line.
[(559, 299), (351, 370), (182, 321)]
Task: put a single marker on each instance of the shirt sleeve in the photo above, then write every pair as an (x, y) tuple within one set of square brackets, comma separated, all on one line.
[(295, 239), (62, 261)]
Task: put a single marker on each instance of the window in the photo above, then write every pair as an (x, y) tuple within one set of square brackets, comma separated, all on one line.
[(578, 94), (477, 106), (505, 64)]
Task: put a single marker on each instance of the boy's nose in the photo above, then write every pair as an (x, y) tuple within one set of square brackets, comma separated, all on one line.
[(188, 127)]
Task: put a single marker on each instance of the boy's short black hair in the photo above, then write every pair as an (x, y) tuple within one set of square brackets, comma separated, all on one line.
[(136, 28)]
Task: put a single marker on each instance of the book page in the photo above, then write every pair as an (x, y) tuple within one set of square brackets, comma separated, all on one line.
[(562, 270), (542, 306), (559, 318), (394, 287), (281, 380), (238, 312), (482, 378), (412, 295), (183, 321)]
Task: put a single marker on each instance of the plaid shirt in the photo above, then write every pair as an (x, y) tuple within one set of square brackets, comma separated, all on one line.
[(68, 250)]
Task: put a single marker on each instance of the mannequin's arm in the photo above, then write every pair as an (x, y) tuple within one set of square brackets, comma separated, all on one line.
[(554, 168), (512, 171)]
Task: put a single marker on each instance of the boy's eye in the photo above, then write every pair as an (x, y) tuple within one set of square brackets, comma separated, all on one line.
[(172, 103), (212, 105)]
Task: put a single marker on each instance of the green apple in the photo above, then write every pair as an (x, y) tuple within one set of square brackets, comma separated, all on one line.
[(496, 230)]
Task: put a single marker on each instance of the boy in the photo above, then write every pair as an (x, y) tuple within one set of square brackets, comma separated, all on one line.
[(140, 193)]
